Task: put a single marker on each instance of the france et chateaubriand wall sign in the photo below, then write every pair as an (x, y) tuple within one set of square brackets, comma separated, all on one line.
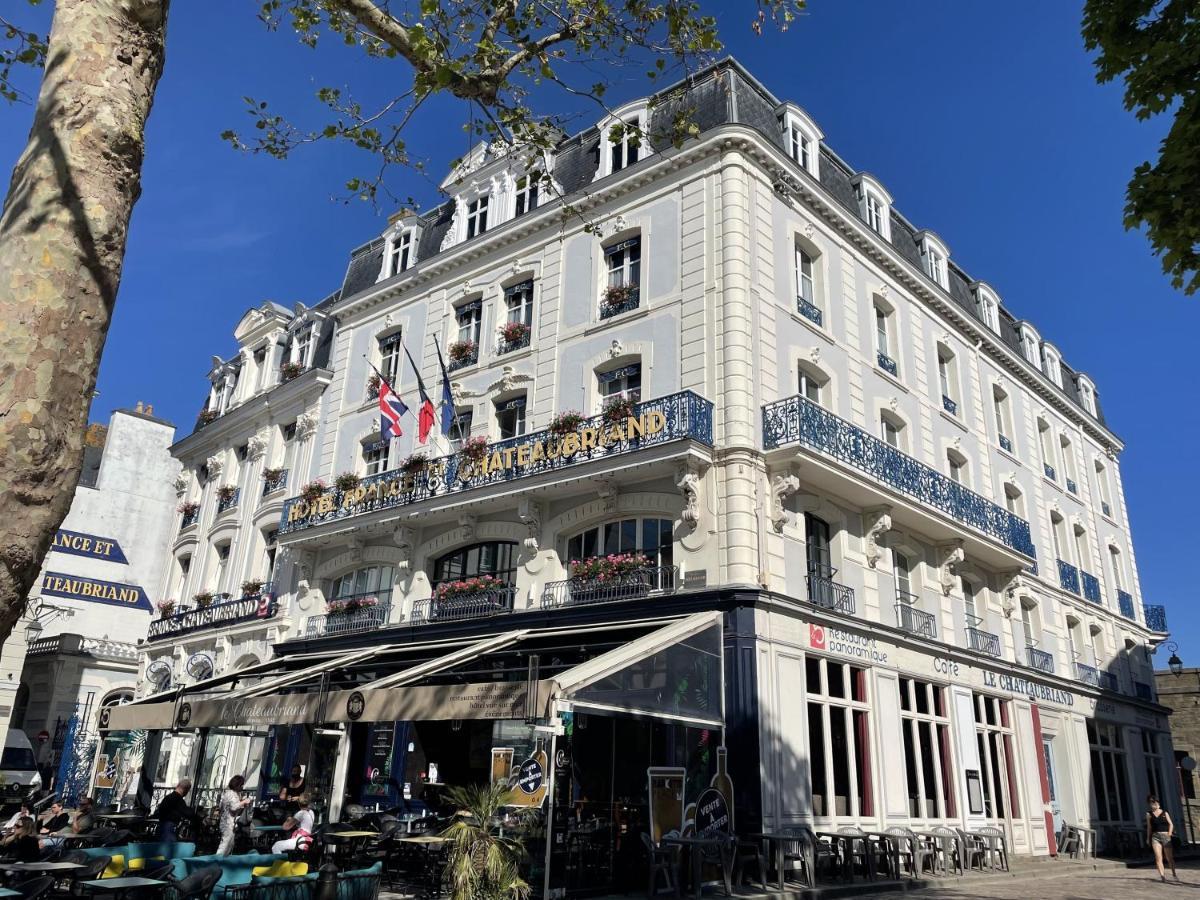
[(90, 545), (58, 584), (682, 415)]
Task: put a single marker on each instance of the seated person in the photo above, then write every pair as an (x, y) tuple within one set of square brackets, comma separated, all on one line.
[(85, 819), (301, 824), (56, 819), (23, 812), (22, 844)]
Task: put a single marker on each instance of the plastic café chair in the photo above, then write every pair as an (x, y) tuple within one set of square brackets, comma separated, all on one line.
[(664, 861), (35, 887), (996, 844)]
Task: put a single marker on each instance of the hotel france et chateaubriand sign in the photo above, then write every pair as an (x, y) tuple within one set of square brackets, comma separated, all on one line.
[(679, 416), (96, 590)]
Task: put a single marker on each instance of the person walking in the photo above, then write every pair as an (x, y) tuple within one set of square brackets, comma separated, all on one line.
[(1159, 831), (232, 804), (172, 810)]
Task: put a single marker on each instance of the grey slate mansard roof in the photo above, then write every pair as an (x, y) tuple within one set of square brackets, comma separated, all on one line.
[(710, 103)]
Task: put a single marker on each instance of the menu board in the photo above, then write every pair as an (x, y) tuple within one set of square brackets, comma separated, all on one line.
[(381, 742)]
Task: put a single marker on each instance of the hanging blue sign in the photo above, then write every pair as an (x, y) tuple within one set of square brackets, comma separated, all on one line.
[(56, 584), (87, 545)]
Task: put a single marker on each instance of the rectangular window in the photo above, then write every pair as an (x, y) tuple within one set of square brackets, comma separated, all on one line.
[(1068, 459), (1047, 449), (623, 382), (927, 750), (477, 216), (375, 457), (882, 342), (839, 740), (389, 357), (1110, 784), (1118, 573), (527, 193), (624, 263), (1004, 429), (958, 468), (518, 303), (875, 213), (970, 609), (401, 252), (937, 267), (301, 341), (889, 432), (993, 736), (804, 277), (1102, 488), (469, 318), (461, 429), (624, 150), (801, 147), (510, 417)]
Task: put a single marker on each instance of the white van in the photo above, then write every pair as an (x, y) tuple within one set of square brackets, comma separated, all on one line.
[(18, 766)]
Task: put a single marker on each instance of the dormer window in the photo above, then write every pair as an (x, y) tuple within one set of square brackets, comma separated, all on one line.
[(477, 216), (1052, 364), (301, 341), (621, 139), (1087, 394), (988, 306), (526, 193), (802, 138), (874, 205), (936, 258), (1031, 344), (400, 257)]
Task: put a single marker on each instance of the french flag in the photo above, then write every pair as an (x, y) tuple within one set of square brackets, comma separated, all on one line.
[(391, 408)]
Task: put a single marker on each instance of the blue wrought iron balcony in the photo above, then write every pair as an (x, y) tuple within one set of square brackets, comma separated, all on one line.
[(228, 500), (619, 299), (1125, 603), (949, 405), (797, 420), (277, 482), (1156, 617), (809, 311), (190, 517), (1072, 487), (1142, 690), (1087, 674), (1005, 444), (1068, 577), (1040, 660), (1049, 471), (231, 612), (1091, 587), (826, 593), (913, 620), (886, 363), (983, 641), (684, 416)]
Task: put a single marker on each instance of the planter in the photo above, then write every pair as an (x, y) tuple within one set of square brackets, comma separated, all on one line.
[(313, 490), (603, 568), (206, 416), (226, 492), (474, 448), (350, 606), (251, 588), (203, 599), (290, 370), (272, 474), (462, 351), (468, 587), (189, 509), (566, 422), (166, 608), (616, 410), (414, 464), (514, 332), (373, 384), (347, 481)]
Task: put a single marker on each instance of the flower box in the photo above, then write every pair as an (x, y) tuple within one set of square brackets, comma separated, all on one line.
[(347, 481), (374, 382), (203, 599), (290, 370), (206, 415), (273, 474), (226, 492), (468, 587), (252, 588), (190, 508), (313, 490), (603, 568), (618, 298), (514, 332), (414, 464), (474, 448), (616, 410), (350, 605), (166, 608), (566, 422), (462, 351)]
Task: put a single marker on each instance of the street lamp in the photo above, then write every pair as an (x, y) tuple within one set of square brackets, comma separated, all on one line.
[(1175, 664)]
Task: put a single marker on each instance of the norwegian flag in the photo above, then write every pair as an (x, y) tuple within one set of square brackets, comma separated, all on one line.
[(391, 408)]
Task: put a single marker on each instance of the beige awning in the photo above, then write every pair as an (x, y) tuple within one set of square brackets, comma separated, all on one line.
[(134, 716)]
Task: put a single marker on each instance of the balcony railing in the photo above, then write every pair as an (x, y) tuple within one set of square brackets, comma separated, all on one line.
[(1040, 660), (366, 618), (949, 405), (503, 346), (826, 593), (1068, 577), (1125, 602), (1091, 586), (278, 483), (983, 641), (467, 358), (1156, 617), (617, 305), (799, 420), (463, 608), (913, 620), (676, 417), (1049, 471), (189, 518), (628, 586), (229, 612), (1005, 444), (1108, 681), (1087, 674), (886, 363), (1142, 690), (228, 501), (809, 311), (1072, 487)]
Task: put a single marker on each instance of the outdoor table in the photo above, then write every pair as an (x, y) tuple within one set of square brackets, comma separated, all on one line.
[(423, 839), (848, 853), (120, 886), (777, 841), (9, 892), (694, 846), (120, 817), (353, 839), (37, 868)]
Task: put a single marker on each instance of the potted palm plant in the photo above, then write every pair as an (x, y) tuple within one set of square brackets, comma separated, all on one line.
[(482, 865)]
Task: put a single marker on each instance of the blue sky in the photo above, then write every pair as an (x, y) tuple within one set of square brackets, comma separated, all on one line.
[(984, 121)]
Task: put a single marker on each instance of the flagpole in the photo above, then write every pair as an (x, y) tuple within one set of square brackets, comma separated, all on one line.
[(446, 376)]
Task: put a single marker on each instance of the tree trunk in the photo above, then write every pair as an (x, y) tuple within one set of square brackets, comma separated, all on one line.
[(62, 242)]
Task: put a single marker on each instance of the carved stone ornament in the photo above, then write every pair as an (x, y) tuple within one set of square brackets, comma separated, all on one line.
[(306, 426), (405, 539), (256, 446), (615, 225), (467, 524), (783, 485), (615, 349), (181, 483), (878, 521), (1009, 590), (214, 464), (815, 355), (883, 290), (355, 551), (809, 230), (949, 556), (688, 483), (530, 514), (606, 489), (894, 403)]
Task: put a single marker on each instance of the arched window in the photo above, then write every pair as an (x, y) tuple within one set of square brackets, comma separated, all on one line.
[(652, 538), (808, 294), (370, 581), (495, 558)]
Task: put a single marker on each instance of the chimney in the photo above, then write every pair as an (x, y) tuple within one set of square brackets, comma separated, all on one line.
[(138, 408), (149, 409)]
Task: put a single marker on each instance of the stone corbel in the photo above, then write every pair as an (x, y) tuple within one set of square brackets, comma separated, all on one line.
[(688, 482), (606, 489), (303, 562), (949, 556), (182, 482), (356, 549), (1009, 590), (306, 426), (783, 485), (256, 446), (878, 521), (214, 464), (467, 524), (405, 539), (530, 514)]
